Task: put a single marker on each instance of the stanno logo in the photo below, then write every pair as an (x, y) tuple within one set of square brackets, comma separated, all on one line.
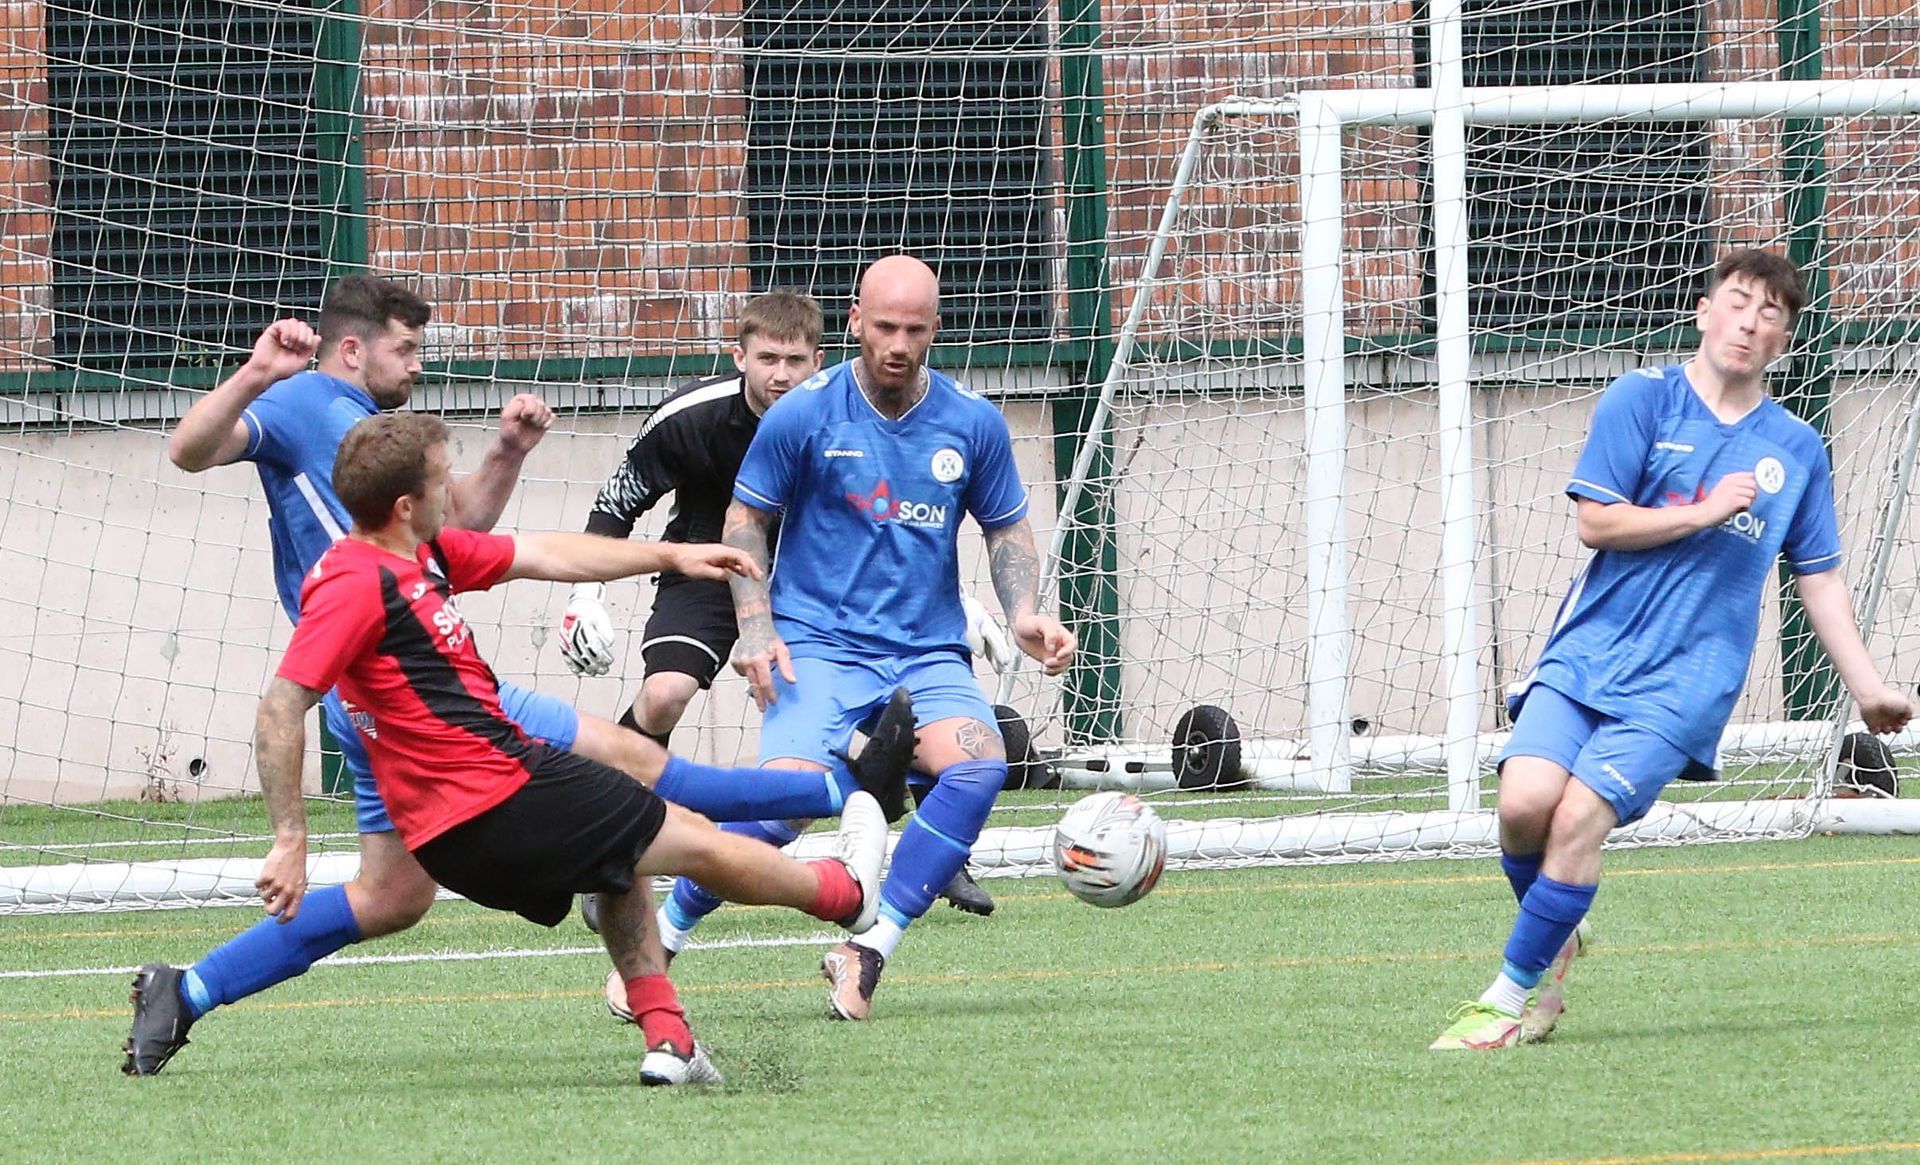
[(845, 453), (881, 506), (1673, 446), (1616, 774)]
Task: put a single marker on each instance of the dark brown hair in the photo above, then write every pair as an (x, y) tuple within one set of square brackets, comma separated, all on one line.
[(782, 315), (1776, 276), (384, 459), (361, 305)]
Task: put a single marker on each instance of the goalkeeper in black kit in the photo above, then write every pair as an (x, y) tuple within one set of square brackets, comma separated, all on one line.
[(691, 447)]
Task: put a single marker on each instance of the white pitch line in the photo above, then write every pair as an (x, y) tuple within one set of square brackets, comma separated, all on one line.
[(799, 940)]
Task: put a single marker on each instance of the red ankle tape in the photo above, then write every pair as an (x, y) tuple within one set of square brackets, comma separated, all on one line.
[(838, 895), (656, 1008)]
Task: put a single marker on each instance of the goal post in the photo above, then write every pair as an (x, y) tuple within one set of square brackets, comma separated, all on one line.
[(1324, 116), (1183, 349)]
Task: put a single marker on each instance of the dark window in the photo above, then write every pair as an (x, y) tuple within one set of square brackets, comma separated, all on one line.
[(878, 126), (1583, 226), (185, 185)]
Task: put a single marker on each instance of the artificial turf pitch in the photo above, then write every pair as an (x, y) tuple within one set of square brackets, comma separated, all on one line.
[(1742, 1003)]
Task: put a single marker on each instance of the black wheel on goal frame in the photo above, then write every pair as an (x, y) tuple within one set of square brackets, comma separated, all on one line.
[(1025, 769), (1866, 766), (1206, 750)]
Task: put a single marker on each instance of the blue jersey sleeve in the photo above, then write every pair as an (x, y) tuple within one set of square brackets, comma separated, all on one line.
[(1813, 538), (1615, 457), (996, 497), (767, 473), (277, 420)]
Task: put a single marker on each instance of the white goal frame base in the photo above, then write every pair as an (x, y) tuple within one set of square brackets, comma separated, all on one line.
[(1027, 851)]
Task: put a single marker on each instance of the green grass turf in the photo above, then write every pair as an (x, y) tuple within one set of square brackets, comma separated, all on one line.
[(1742, 1000)]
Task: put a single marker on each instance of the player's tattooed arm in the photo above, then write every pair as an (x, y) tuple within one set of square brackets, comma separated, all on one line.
[(759, 650), (279, 747), (745, 529), (1014, 563), (279, 744)]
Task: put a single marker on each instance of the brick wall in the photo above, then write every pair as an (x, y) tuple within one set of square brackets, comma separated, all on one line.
[(562, 176), (26, 322)]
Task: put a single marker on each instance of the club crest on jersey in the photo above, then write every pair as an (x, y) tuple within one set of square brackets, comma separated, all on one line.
[(1770, 475), (948, 465), (882, 506)]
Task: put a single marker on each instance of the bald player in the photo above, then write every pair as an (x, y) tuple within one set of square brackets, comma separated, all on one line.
[(870, 467)]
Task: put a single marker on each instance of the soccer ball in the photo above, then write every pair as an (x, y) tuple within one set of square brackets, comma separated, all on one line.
[(1110, 849)]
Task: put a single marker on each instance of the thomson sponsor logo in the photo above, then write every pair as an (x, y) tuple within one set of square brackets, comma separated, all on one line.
[(882, 506), (1746, 525)]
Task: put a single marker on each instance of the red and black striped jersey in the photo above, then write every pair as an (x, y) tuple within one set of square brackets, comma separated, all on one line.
[(386, 630)]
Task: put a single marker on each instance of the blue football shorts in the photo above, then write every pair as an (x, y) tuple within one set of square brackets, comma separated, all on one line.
[(815, 716), (1627, 766)]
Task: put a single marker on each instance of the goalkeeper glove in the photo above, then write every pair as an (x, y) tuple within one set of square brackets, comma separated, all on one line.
[(586, 634), (984, 636)]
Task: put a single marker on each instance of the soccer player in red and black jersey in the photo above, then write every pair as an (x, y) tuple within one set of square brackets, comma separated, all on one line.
[(489, 812)]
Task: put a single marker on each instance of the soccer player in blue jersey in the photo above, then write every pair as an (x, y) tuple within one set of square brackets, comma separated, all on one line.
[(871, 465), (289, 422), (1691, 485)]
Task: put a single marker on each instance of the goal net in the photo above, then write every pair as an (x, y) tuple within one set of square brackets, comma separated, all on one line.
[(1340, 532), (1345, 557)]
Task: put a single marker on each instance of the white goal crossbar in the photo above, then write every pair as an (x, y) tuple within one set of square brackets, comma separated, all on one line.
[(1323, 116)]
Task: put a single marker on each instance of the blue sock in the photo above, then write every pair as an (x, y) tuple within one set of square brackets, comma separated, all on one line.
[(270, 952), (1521, 870), (690, 901), (748, 794), (1548, 915), (938, 837)]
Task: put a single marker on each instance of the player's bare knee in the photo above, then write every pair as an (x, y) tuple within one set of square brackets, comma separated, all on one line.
[(640, 757), (659, 706), (389, 905), (1583, 818), (983, 740), (945, 743), (679, 817), (1526, 811), (630, 752)]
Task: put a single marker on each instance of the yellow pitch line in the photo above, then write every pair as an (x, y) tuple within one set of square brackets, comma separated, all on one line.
[(1801, 1153), (1163, 891), (1272, 962)]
